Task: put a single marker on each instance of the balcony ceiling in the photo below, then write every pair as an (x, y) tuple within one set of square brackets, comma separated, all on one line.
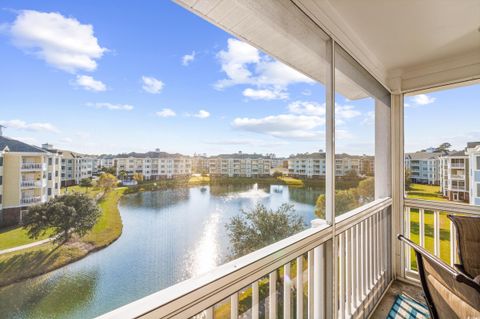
[(408, 33), (392, 39)]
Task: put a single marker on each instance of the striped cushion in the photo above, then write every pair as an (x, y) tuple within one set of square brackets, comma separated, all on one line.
[(405, 307)]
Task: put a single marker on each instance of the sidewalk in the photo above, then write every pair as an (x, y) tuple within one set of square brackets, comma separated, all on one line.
[(37, 243)]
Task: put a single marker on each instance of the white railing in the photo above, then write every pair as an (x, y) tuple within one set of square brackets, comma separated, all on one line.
[(457, 176), (33, 166), (33, 183), (426, 223), (293, 278), (31, 200), (457, 165)]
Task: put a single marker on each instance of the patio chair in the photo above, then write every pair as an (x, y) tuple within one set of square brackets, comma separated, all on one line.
[(448, 293), (468, 243)]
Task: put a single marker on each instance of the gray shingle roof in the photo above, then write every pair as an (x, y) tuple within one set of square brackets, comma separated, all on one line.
[(17, 146)]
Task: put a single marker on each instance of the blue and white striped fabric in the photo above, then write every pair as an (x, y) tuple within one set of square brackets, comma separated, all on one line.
[(405, 307)]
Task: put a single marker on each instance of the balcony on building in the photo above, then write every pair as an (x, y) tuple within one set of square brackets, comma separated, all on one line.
[(347, 266)]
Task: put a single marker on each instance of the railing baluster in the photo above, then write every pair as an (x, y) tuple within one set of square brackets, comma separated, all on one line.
[(310, 298), (272, 298), (287, 284), (408, 251), (299, 287), (379, 245), (364, 259), (421, 223), (436, 233), (369, 255), (348, 271), (209, 313), (453, 244), (319, 282), (355, 268), (255, 306), (375, 250), (341, 274), (234, 306)]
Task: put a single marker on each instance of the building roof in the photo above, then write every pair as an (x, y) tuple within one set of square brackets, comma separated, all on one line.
[(418, 156), (472, 144), (17, 146), (149, 155)]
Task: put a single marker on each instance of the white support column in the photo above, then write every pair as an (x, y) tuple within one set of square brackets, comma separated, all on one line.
[(396, 120)]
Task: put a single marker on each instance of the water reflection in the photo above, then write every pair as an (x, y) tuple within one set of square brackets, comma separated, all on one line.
[(168, 236)]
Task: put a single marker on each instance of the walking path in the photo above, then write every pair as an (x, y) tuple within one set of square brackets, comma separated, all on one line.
[(37, 243)]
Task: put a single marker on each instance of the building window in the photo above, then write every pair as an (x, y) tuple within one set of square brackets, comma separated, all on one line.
[(49, 161), (1, 161), (478, 163), (478, 189), (49, 191), (49, 176), (1, 180)]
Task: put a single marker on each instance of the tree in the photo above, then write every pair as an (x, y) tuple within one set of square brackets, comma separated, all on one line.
[(345, 200), (366, 190), (277, 174), (138, 177), (444, 147), (122, 174), (64, 215), (259, 227), (351, 174), (408, 179), (86, 182), (107, 181), (110, 170)]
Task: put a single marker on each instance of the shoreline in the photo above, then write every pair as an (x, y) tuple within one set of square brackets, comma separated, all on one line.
[(32, 262)]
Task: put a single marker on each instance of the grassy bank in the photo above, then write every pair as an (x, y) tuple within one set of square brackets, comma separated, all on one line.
[(199, 180), (41, 259)]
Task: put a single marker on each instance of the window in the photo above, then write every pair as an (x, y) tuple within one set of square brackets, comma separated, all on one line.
[(478, 189), (358, 98), (450, 148), (1, 161), (478, 163), (1, 180), (49, 161), (49, 191), (49, 176)]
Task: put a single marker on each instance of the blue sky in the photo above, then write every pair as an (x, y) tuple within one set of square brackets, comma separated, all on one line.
[(109, 77)]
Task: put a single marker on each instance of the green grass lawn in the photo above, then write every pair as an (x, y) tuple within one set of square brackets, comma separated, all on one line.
[(429, 192), (17, 236), (426, 192), (199, 180), (290, 181), (40, 259)]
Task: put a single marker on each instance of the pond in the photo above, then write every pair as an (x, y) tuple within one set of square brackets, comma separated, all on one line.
[(168, 236)]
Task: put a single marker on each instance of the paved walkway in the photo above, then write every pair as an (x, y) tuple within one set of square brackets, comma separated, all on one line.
[(37, 243)]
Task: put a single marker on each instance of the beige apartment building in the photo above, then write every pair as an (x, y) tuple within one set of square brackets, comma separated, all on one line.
[(313, 165), (240, 165), (153, 165), (29, 175)]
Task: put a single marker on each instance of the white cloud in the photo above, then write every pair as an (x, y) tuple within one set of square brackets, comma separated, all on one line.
[(202, 114), (369, 118), (423, 99), (306, 92), (90, 84), (307, 108), (28, 140), (188, 58), (152, 85), (62, 42), (110, 106), (36, 126), (243, 64), (265, 94), (345, 112), (166, 113), (283, 125)]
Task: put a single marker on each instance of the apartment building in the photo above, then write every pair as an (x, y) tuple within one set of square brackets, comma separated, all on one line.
[(240, 165), (312, 165), (153, 165), (29, 175), (424, 167), (473, 153), (454, 179)]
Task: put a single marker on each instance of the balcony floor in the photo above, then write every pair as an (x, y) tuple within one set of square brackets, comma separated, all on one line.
[(396, 288)]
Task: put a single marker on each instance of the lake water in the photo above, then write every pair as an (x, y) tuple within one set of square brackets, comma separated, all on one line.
[(168, 236)]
